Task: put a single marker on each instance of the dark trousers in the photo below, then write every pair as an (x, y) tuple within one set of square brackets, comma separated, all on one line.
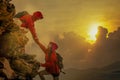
[(44, 72)]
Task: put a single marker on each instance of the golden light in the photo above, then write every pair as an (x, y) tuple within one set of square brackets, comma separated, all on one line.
[(92, 32)]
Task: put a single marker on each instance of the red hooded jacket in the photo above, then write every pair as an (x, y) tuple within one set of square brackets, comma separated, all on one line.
[(28, 23), (50, 59), (51, 63)]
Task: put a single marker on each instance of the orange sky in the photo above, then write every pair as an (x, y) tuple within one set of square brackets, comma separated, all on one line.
[(68, 15)]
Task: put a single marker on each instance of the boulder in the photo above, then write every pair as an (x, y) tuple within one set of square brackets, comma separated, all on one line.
[(5, 69)]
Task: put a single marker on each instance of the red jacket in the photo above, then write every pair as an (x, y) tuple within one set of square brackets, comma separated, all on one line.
[(27, 22), (50, 63)]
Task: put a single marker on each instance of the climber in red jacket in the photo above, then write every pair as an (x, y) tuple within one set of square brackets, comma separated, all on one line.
[(28, 23), (50, 64)]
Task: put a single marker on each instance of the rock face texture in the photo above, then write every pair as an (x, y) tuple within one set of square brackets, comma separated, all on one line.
[(15, 63)]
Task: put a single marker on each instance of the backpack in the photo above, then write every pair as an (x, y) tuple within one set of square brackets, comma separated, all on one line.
[(20, 14), (60, 62)]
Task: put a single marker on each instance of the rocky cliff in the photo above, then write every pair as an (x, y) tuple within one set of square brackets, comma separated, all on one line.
[(14, 62)]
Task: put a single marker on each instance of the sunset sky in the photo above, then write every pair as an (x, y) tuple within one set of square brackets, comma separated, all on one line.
[(79, 16), (73, 15)]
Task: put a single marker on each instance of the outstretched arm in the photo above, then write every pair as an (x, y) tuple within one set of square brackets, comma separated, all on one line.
[(44, 49), (33, 32)]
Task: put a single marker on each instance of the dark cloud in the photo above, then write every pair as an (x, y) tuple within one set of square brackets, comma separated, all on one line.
[(101, 34), (106, 49), (73, 48)]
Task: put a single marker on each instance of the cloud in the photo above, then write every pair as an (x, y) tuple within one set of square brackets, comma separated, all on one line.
[(78, 53), (73, 48), (106, 49)]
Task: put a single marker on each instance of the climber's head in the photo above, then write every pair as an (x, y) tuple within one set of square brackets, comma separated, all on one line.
[(37, 15), (53, 46)]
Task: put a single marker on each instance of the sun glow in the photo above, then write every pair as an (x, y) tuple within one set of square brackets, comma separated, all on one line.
[(92, 32)]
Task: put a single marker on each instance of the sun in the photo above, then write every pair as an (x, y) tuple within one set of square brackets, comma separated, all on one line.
[(92, 32)]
